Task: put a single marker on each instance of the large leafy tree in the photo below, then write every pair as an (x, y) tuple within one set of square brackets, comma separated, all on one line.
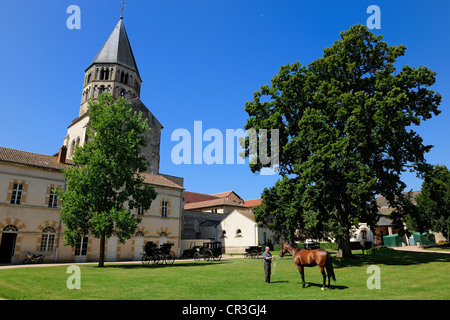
[(105, 183), (346, 133), (433, 203)]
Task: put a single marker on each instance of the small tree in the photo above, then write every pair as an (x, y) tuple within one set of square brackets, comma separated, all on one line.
[(105, 184)]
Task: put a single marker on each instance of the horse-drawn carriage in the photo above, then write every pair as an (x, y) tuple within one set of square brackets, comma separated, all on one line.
[(253, 252), (193, 249), (209, 251), (155, 254)]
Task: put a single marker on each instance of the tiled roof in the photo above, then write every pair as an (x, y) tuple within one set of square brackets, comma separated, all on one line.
[(192, 197), (383, 204), (211, 203), (51, 163), (383, 220), (247, 213), (252, 203), (31, 159), (222, 194), (225, 194), (159, 180)]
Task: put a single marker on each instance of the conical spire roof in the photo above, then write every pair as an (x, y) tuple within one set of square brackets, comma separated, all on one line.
[(117, 49)]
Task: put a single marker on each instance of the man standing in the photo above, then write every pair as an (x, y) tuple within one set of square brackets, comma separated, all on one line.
[(267, 257)]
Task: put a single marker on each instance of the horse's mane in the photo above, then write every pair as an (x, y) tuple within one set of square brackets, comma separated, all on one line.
[(294, 246)]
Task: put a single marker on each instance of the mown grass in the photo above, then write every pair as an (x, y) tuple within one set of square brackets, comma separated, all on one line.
[(439, 247), (404, 275)]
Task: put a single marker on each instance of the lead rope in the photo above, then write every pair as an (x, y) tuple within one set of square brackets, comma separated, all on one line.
[(274, 265)]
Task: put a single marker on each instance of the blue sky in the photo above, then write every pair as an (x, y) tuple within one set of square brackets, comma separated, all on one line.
[(200, 60)]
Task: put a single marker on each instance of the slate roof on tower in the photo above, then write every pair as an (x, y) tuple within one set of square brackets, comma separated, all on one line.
[(117, 49)]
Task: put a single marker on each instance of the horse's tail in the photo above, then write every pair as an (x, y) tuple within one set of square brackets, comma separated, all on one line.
[(329, 267)]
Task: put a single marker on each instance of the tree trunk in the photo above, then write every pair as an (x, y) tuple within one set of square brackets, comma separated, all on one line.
[(101, 259), (344, 249)]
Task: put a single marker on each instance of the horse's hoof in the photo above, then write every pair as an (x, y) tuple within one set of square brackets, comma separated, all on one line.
[(323, 288)]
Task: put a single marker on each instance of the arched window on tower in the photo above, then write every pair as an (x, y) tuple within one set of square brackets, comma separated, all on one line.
[(72, 148)]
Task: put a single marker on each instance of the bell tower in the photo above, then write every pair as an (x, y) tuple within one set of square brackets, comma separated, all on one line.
[(114, 70)]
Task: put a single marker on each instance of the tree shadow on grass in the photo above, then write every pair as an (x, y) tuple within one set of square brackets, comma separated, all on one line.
[(391, 257)]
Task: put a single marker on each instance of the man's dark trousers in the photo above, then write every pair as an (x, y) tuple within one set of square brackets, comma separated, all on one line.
[(267, 270)]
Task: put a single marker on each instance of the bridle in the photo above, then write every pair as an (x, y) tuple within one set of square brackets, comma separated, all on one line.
[(283, 251)]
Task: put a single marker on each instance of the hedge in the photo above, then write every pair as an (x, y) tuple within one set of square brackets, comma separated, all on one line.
[(323, 245)]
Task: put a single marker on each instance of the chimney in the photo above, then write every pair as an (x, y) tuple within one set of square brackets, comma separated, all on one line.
[(62, 154)]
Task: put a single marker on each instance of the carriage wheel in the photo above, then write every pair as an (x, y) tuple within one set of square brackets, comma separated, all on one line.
[(169, 258), (246, 255), (160, 258), (197, 256), (254, 254), (218, 257), (207, 255), (154, 258), (145, 260)]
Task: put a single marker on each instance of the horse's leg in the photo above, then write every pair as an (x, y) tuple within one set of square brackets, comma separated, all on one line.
[(324, 276), (302, 274)]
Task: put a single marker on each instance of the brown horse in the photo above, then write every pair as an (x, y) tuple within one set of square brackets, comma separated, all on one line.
[(311, 258)]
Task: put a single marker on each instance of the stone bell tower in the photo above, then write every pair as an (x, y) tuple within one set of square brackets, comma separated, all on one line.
[(114, 70)]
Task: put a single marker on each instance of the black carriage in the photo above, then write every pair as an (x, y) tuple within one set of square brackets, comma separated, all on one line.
[(253, 252), (189, 253), (209, 251), (157, 255)]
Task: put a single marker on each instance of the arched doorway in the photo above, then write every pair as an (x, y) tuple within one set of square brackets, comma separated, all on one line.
[(8, 243), (138, 245)]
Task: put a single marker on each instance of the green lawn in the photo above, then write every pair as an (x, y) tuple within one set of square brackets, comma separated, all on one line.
[(404, 275), (439, 247)]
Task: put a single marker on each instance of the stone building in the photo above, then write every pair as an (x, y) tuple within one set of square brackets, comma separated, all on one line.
[(223, 217), (30, 211)]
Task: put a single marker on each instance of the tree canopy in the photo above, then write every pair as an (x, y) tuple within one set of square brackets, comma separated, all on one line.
[(433, 203), (105, 184), (346, 133)]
